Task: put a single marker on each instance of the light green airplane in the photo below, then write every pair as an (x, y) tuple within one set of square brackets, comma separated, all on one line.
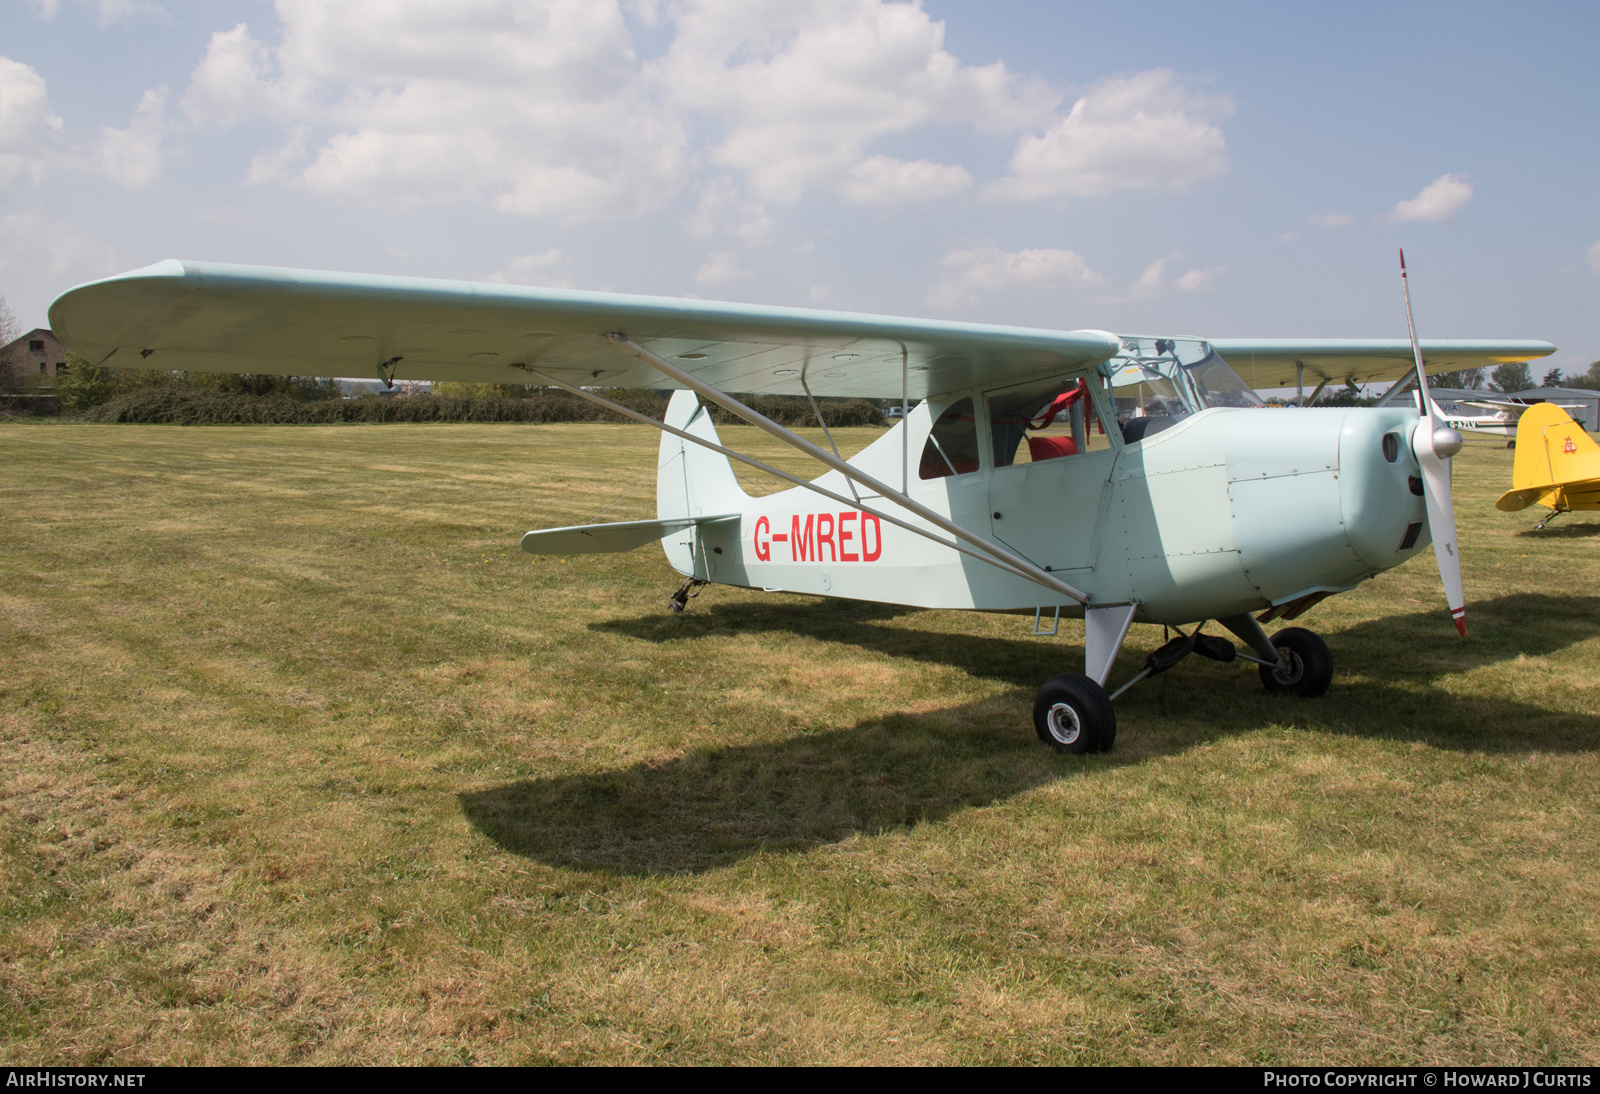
[(1081, 474)]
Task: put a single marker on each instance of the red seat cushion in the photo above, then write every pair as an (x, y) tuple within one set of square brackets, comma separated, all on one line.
[(1050, 448)]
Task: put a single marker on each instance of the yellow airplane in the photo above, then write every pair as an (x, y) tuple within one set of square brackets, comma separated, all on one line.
[(1557, 464)]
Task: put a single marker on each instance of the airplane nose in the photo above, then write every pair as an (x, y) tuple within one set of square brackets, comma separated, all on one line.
[(1385, 517), (1284, 491)]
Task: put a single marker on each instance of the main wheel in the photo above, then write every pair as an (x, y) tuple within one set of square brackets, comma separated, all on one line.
[(1073, 714), (1308, 668)]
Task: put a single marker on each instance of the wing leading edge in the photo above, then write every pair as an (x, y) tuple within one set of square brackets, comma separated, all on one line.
[(1272, 362), (209, 317), (214, 317)]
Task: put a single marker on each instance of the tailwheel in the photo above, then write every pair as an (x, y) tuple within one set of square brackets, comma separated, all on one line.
[(1307, 667), (1073, 714)]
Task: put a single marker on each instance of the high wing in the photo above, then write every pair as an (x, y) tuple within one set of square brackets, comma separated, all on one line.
[(213, 317), (1276, 362), (210, 317)]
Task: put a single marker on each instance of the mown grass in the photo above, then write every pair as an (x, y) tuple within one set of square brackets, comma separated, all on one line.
[(304, 761)]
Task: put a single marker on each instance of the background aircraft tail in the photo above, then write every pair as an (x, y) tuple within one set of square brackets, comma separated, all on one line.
[(1552, 450), (692, 481)]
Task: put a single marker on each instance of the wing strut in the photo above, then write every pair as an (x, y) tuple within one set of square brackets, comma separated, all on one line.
[(826, 432), (600, 400), (1015, 563)]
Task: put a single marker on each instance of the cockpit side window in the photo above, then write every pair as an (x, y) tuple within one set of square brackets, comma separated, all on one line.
[(952, 447), (1054, 418)]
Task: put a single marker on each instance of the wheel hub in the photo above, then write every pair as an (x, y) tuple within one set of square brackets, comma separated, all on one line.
[(1063, 723), (1293, 668)]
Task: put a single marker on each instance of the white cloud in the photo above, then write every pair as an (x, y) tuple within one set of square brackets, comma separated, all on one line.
[(1441, 199), (880, 180), (722, 210), (30, 132), (109, 10), (1153, 280), (543, 108), (1592, 257), (548, 269), (233, 81), (535, 107), (1145, 132), (32, 245), (821, 294), (132, 157), (1288, 237), (1199, 280), (803, 90), (32, 138), (721, 268), (1334, 219), (986, 267)]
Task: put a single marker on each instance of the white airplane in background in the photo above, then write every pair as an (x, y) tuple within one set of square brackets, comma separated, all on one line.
[(1119, 479), (1499, 417)]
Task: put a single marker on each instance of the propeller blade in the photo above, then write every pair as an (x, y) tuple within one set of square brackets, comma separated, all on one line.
[(1442, 515), (1434, 443)]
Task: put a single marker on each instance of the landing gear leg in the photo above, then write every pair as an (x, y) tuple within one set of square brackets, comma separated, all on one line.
[(680, 599), (1554, 513)]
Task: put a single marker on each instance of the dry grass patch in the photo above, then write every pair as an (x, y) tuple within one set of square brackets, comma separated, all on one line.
[(302, 760)]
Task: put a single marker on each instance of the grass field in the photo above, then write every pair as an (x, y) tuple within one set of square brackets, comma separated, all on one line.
[(301, 760)]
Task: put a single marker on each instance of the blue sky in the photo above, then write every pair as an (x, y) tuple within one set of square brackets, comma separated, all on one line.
[(1162, 168)]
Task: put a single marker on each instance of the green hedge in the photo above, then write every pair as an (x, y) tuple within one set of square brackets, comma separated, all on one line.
[(794, 410), (176, 405), (182, 404)]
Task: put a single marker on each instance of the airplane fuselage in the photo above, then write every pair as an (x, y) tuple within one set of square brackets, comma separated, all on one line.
[(1226, 511)]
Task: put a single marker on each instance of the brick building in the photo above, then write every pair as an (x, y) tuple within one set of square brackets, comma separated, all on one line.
[(37, 353)]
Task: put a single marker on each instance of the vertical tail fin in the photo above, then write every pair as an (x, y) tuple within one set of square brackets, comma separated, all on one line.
[(1552, 451), (692, 481), (1552, 448)]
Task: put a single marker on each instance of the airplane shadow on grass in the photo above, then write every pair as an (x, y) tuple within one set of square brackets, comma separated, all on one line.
[(715, 806), (1563, 531)]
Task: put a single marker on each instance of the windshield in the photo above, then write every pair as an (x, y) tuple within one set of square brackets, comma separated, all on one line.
[(1173, 377)]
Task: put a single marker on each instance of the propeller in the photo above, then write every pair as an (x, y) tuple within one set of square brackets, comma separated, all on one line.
[(1434, 443)]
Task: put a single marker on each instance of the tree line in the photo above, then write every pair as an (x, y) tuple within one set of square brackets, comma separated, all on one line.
[(99, 394)]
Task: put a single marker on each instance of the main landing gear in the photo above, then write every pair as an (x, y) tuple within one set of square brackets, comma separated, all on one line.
[(1072, 712)]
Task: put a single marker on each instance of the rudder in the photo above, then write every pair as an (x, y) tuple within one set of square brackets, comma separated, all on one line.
[(1552, 448), (692, 481)]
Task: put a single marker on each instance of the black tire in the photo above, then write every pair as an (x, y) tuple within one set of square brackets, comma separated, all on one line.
[(1310, 665), (1072, 713), (1511, 444)]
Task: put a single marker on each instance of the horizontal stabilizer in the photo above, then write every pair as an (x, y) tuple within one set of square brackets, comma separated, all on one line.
[(1513, 500), (595, 539)]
